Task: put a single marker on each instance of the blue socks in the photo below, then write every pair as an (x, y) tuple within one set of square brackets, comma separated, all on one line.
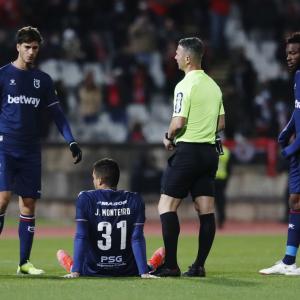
[(1, 222), (293, 238), (26, 233)]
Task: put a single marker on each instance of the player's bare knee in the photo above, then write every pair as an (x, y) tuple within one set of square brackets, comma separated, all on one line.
[(204, 205), (206, 210), (295, 205), (163, 207), (196, 207), (3, 207), (4, 200), (27, 206), (168, 204), (294, 201)]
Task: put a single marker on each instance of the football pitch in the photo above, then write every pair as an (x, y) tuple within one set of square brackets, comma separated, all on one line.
[(231, 273)]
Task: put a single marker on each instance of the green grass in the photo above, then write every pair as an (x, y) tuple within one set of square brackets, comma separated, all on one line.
[(231, 273), (12, 222)]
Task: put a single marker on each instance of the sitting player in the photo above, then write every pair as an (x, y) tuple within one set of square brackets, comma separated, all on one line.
[(109, 239)]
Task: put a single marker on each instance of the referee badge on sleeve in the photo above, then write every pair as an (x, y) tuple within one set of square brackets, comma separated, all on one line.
[(178, 103)]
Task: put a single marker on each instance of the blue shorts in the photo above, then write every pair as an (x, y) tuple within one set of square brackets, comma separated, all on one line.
[(294, 175), (21, 173)]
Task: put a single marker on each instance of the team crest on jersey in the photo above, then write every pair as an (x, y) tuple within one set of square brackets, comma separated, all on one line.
[(12, 82), (36, 83)]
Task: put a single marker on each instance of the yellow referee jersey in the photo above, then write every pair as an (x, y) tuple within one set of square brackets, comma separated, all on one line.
[(198, 98)]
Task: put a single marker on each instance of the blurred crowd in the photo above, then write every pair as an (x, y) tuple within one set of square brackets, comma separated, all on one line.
[(113, 61)]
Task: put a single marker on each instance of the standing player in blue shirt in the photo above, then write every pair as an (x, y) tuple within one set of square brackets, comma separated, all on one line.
[(291, 151), (25, 91), (109, 238)]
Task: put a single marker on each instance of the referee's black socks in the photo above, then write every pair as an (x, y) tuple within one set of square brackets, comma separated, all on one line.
[(170, 232), (206, 237)]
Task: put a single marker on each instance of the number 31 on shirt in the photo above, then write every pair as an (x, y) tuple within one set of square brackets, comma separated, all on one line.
[(106, 229)]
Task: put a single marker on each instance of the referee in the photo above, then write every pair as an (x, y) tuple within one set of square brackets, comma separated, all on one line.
[(197, 114)]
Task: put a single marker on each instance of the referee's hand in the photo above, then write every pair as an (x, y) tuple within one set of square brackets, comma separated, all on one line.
[(168, 144)]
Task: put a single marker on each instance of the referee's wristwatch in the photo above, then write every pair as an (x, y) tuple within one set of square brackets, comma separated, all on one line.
[(169, 139)]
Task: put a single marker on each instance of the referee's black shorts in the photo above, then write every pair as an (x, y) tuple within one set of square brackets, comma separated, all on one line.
[(192, 168)]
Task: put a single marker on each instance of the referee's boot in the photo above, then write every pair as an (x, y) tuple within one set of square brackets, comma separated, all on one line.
[(164, 271), (195, 271)]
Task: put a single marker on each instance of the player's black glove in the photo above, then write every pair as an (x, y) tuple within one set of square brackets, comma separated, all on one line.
[(76, 152)]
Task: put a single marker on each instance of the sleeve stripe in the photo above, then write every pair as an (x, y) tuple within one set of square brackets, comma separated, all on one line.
[(56, 102), (81, 220), (138, 224)]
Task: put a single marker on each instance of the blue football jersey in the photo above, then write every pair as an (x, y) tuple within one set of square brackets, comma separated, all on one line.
[(24, 93), (293, 126), (297, 102), (111, 217)]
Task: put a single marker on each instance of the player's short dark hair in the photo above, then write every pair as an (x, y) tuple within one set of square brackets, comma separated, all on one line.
[(108, 170), (194, 45), (294, 38), (28, 34)]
